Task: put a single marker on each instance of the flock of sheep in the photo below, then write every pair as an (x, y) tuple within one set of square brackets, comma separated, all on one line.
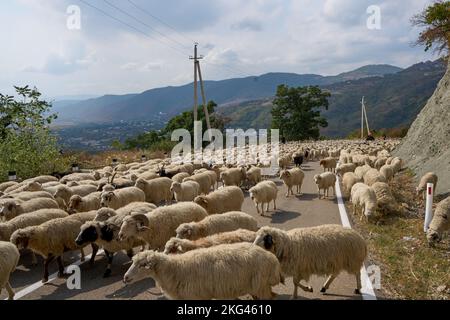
[(187, 233)]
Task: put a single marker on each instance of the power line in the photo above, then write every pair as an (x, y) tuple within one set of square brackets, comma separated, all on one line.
[(160, 20), (132, 27), (145, 24)]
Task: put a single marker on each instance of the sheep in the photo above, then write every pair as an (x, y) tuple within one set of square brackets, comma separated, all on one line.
[(203, 179), (324, 251), (291, 178), (27, 195), (364, 199), (348, 181), (254, 176), (156, 190), (65, 193), (264, 192), (380, 163), (177, 246), (84, 204), (6, 185), (9, 258), (372, 176), (385, 200), (157, 227), (387, 172), (147, 176), (440, 222), (31, 186), (223, 200), (325, 181), (11, 209), (298, 159), (344, 168), (185, 191), (284, 162), (233, 176), (104, 234), (29, 219), (42, 179), (197, 275), (328, 164), (180, 176), (52, 238), (397, 164), (81, 176), (120, 198), (361, 171), (216, 224), (429, 177)]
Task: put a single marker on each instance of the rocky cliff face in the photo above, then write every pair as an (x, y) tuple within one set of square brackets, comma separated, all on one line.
[(427, 146)]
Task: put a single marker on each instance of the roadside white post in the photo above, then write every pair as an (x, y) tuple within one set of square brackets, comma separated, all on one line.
[(12, 176), (428, 207)]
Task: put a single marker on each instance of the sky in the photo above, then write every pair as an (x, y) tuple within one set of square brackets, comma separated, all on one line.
[(135, 45)]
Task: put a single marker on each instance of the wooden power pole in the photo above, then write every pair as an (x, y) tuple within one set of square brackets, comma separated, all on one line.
[(364, 117), (198, 76)]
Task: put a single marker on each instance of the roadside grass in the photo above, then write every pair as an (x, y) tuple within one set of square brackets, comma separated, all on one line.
[(410, 269)]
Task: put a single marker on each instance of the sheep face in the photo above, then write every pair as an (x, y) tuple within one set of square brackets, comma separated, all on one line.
[(74, 204), (176, 187), (20, 239), (140, 183), (265, 240), (285, 175), (253, 194), (433, 237), (88, 234), (132, 225), (8, 210), (317, 179), (144, 264), (104, 214), (185, 231), (202, 201), (107, 198), (173, 246)]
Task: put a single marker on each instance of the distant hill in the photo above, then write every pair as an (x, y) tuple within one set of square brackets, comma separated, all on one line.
[(393, 100), (172, 100)]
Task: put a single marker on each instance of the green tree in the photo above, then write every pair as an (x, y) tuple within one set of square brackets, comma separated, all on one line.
[(296, 112), (436, 20), (26, 143)]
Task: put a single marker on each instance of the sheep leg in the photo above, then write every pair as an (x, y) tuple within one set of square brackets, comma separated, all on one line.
[(109, 256), (34, 261), (46, 263), (83, 257), (327, 284), (274, 204), (61, 272), (257, 207), (94, 253), (305, 288), (11, 293), (358, 283), (130, 253)]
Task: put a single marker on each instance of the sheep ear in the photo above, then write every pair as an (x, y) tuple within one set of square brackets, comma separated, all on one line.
[(179, 249)]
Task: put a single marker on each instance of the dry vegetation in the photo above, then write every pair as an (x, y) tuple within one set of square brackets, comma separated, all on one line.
[(397, 244)]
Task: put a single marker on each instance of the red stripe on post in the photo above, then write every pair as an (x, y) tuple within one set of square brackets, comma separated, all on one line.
[(429, 191)]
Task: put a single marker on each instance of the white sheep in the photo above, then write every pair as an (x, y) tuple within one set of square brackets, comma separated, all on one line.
[(440, 222), (9, 258), (429, 177), (372, 176), (254, 175), (233, 176), (325, 181), (223, 200), (328, 164), (264, 192), (177, 245), (180, 176), (42, 179), (185, 191), (364, 200), (196, 275), (65, 193), (344, 168), (387, 172), (80, 177), (361, 171), (157, 227), (203, 179), (84, 204), (293, 178), (323, 251), (6, 185), (52, 238), (385, 200), (31, 187), (120, 198), (216, 224), (156, 190), (11, 209), (348, 181), (27, 195), (134, 207)]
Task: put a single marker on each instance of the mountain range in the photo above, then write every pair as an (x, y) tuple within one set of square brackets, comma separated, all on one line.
[(394, 97)]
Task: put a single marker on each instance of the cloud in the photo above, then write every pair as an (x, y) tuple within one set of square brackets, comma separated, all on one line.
[(59, 65), (248, 25)]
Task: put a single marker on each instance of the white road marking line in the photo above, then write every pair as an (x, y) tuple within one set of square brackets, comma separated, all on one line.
[(367, 291), (51, 278)]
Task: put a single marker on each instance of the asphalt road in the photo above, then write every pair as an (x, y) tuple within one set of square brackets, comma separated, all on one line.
[(303, 210)]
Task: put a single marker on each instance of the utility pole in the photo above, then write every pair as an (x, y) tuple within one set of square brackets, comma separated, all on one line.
[(198, 76), (362, 119)]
